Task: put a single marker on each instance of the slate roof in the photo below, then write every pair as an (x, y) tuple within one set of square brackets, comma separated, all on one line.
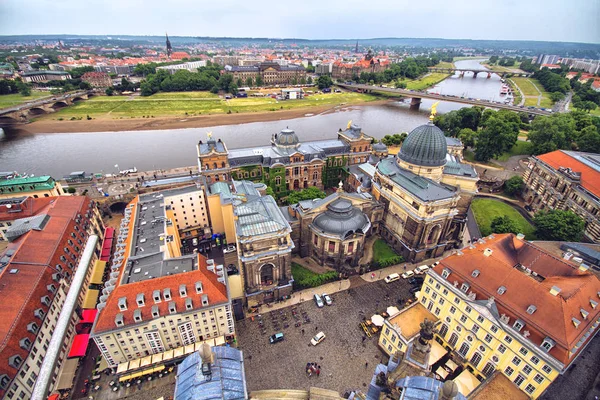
[(454, 167), (425, 145), (425, 189), (205, 148), (341, 218), (227, 381)]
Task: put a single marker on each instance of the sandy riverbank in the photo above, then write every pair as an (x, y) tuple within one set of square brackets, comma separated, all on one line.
[(46, 124)]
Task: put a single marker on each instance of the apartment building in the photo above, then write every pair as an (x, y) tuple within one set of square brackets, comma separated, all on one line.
[(35, 273), (507, 305), (190, 213), (566, 180), (35, 186), (159, 299)]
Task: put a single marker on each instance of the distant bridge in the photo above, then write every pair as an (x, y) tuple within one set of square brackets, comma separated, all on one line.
[(476, 72), (417, 96), (22, 113)]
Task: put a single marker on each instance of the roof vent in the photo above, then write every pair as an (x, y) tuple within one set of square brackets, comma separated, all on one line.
[(555, 290), (531, 309), (584, 267), (487, 252), (13, 271), (520, 236), (501, 290), (576, 322), (593, 303), (475, 273)]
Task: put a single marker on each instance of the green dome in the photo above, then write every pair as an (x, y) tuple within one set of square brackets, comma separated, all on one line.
[(426, 146)]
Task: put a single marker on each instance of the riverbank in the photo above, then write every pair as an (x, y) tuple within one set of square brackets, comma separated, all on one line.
[(49, 125)]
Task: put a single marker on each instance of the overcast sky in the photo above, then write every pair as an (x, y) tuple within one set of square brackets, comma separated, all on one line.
[(548, 20)]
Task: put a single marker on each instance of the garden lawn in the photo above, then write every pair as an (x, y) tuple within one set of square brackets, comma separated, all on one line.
[(305, 278), (196, 103), (382, 251), (485, 210), (444, 64), (526, 86), (520, 148), (10, 100)]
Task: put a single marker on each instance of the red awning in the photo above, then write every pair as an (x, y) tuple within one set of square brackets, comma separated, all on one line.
[(105, 253), (79, 346), (109, 233), (107, 244), (54, 397), (88, 316)]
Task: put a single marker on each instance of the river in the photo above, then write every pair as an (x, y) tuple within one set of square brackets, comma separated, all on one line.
[(59, 154)]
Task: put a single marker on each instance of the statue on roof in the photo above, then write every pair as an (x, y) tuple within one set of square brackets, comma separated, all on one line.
[(209, 135), (349, 124), (433, 110)]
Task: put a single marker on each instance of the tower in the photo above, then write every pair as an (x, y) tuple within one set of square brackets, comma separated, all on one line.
[(356, 47), (169, 48)]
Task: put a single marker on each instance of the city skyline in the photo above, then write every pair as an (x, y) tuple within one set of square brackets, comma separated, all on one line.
[(555, 20)]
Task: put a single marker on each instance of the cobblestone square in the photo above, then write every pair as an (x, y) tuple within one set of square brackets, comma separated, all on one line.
[(343, 353)]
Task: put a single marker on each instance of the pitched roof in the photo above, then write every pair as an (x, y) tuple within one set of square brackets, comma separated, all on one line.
[(507, 266), (587, 164)]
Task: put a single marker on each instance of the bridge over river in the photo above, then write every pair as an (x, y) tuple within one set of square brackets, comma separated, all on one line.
[(476, 72), (22, 113), (417, 96)]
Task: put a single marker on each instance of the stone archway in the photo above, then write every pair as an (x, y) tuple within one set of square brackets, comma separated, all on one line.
[(434, 234), (267, 274), (296, 184)]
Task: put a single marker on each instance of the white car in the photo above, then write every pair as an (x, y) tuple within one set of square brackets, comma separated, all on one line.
[(318, 300), (229, 249), (421, 269), (319, 337), (391, 278), (408, 274), (327, 299)]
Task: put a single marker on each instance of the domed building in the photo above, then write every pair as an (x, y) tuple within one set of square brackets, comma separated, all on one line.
[(426, 193)]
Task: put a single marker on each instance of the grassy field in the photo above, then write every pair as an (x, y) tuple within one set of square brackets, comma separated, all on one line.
[(427, 81), (528, 87), (516, 94), (520, 148), (485, 210), (10, 100), (499, 68), (382, 251), (469, 155), (195, 103), (445, 64), (469, 58)]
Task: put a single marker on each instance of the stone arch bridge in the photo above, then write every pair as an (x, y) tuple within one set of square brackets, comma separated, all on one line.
[(476, 72)]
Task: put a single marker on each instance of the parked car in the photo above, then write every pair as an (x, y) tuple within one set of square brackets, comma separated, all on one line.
[(278, 337), (415, 280), (421, 269), (391, 278), (319, 337), (408, 274), (327, 299), (229, 249), (319, 301), (434, 264)]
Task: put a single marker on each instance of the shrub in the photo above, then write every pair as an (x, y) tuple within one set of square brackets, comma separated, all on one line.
[(305, 278)]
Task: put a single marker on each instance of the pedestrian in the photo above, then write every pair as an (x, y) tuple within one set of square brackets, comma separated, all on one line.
[(316, 328), (363, 339), (303, 331), (366, 365), (318, 371), (405, 267)]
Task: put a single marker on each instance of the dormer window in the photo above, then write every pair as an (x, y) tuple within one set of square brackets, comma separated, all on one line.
[(465, 287), (139, 299), (501, 290), (155, 312), (198, 286), (182, 290), (531, 309), (32, 327), (15, 361), (204, 300), (167, 294), (119, 319), (4, 381), (475, 273), (548, 344), (25, 343), (575, 322), (156, 296), (445, 273), (51, 288), (46, 301), (518, 325), (584, 313), (123, 304), (172, 307), (593, 303), (137, 315), (188, 304), (39, 313)]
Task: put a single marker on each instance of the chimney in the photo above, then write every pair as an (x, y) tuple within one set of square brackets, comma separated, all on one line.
[(488, 252)]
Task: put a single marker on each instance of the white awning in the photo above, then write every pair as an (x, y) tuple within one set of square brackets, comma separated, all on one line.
[(67, 374), (377, 320), (451, 364), (466, 382), (437, 352), (123, 367), (441, 372), (392, 311)]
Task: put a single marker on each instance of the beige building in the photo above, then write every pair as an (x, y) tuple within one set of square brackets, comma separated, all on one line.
[(271, 73), (35, 186), (188, 205), (159, 300), (566, 180)]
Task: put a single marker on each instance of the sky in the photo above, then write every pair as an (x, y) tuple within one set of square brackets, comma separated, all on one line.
[(545, 20)]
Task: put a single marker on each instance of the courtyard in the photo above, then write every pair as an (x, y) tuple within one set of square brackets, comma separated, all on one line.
[(342, 355)]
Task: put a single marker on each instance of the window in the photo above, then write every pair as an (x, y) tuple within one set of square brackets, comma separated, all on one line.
[(523, 351), (464, 349), (508, 339), (434, 295), (535, 360), (441, 301), (518, 325), (476, 359), (527, 369), (494, 329), (546, 369), (437, 311), (502, 349), (538, 378), (464, 287), (456, 300), (547, 344), (509, 371), (463, 318), (445, 292), (488, 369), (530, 388), (452, 310), (480, 319), (516, 361), (519, 379), (488, 338), (475, 328), (453, 339), (443, 330)]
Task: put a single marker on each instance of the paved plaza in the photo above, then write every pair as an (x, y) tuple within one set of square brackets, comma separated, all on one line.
[(342, 355)]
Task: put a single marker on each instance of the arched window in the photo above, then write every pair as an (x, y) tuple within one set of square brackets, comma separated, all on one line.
[(360, 149), (443, 330), (476, 359), (215, 165), (464, 350), (223, 164), (206, 166), (315, 176), (453, 339), (278, 180)]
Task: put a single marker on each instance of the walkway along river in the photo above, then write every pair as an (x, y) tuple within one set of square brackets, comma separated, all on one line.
[(59, 154)]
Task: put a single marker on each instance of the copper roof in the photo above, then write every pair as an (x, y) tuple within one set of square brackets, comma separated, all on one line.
[(528, 273)]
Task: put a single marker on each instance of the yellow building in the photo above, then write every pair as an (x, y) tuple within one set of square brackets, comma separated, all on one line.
[(35, 186), (505, 304), (220, 209)]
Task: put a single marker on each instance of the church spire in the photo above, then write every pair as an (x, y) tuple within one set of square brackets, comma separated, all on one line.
[(169, 48), (356, 47)]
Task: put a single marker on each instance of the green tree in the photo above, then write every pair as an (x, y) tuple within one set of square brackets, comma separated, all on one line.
[(588, 106), (589, 139), (399, 84), (249, 82), (551, 133), (71, 190), (324, 81), (24, 89), (303, 81), (514, 185), (306, 194), (269, 191), (79, 71), (467, 136), (556, 96), (239, 82), (493, 59), (559, 225), (498, 135), (85, 86), (294, 81), (504, 224), (109, 91), (309, 80), (259, 80)]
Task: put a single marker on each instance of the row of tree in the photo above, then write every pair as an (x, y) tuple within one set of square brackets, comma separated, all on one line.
[(410, 68), (576, 130), (14, 86), (555, 225), (207, 78)]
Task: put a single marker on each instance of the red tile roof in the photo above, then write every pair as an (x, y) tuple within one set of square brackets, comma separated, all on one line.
[(216, 291), (36, 253), (29, 207), (553, 316), (590, 178)]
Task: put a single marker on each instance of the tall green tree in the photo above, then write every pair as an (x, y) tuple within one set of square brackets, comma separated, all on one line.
[(514, 185), (310, 193), (504, 224), (324, 81), (559, 225), (249, 81), (589, 139), (467, 136), (551, 133), (259, 80)]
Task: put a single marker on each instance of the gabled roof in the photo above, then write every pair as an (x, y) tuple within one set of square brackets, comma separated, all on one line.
[(512, 264)]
